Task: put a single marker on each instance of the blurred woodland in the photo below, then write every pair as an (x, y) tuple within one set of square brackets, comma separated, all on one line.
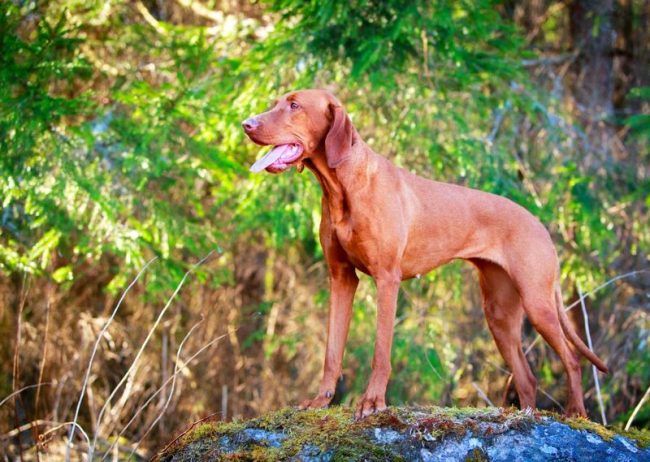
[(120, 142)]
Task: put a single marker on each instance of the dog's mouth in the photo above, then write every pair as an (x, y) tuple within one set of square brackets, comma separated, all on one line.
[(279, 158)]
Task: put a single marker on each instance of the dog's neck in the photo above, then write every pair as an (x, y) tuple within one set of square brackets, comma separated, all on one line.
[(333, 189), (336, 183)]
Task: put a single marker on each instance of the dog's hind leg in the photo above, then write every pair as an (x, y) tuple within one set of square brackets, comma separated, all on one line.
[(543, 315), (504, 313)]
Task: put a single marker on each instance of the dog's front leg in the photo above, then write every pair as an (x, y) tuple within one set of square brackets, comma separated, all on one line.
[(343, 285), (374, 398)]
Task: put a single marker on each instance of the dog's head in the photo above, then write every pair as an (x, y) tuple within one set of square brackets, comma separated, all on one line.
[(299, 125)]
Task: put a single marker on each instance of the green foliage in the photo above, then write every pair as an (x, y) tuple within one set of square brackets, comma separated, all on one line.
[(35, 75), (640, 123), (398, 35)]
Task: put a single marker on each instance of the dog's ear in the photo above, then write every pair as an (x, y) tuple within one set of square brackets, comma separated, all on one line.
[(339, 139)]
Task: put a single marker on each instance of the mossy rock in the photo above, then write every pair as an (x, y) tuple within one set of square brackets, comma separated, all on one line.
[(407, 433)]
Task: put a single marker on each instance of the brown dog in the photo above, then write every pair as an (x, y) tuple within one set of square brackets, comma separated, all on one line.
[(394, 225)]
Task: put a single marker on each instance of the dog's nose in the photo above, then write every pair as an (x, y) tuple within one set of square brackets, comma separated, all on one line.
[(250, 124)]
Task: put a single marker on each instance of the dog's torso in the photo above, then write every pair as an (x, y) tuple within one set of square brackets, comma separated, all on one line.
[(421, 224)]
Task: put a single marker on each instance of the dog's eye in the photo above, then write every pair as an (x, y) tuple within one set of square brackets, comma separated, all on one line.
[(294, 105)]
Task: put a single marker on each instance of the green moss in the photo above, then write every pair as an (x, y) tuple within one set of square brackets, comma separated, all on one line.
[(238, 456), (441, 423), (332, 428), (640, 436), (477, 455), (264, 454), (210, 429), (580, 423), (201, 431), (229, 428)]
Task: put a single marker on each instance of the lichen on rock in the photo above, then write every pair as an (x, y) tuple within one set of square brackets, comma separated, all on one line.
[(407, 433)]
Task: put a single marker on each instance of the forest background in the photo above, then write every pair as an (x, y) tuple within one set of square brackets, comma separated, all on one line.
[(120, 142)]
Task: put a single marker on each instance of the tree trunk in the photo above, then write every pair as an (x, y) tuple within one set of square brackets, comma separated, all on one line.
[(592, 35)]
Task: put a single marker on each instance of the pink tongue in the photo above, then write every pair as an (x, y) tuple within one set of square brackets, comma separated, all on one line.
[(273, 155)]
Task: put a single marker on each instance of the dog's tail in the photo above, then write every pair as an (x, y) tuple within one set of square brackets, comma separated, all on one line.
[(571, 334)]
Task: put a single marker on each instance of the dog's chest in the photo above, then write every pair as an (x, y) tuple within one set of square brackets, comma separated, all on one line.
[(356, 241)]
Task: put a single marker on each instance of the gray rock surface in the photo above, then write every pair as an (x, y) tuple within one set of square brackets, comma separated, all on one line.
[(413, 434)]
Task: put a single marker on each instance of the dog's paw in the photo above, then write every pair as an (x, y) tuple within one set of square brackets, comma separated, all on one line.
[(575, 410), (321, 401), (369, 405)]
